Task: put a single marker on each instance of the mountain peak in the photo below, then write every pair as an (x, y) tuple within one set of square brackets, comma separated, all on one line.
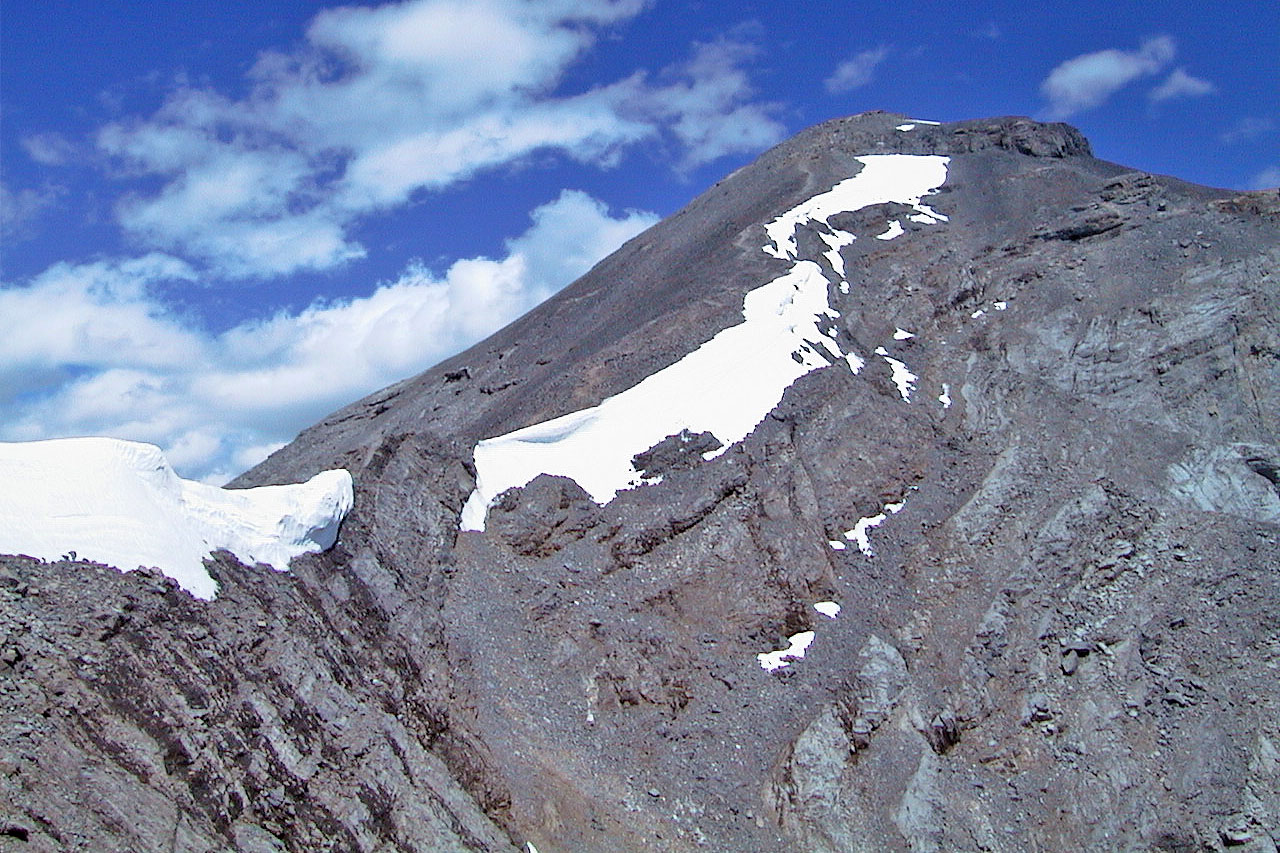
[(914, 483), (882, 132)]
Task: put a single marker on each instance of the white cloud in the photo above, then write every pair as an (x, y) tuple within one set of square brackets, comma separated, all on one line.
[(856, 72), (1267, 179), (90, 349), (49, 149), (1246, 128), (18, 209), (991, 31), (707, 108), (383, 103), (1086, 81), (1180, 84), (89, 317)]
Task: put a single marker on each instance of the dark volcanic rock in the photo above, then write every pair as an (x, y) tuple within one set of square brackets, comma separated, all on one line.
[(1065, 639)]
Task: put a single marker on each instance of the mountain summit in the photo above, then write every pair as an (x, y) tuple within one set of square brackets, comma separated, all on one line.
[(916, 487)]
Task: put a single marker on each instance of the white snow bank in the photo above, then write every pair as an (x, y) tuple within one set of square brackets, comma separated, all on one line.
[(895, 229), (902, 178), (836, 240), (725, 387), (828, 609), (902, 375), (798, 644), (119, 502), (860, 531), (728, 384)]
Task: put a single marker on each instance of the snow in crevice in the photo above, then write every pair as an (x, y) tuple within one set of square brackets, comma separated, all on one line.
[(861, 530), (902, 375), (797, 645), (927, 216), (730, 383), (119, 502), (836, 240)]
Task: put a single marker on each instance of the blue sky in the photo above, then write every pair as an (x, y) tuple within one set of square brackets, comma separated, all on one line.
[(222, 220)]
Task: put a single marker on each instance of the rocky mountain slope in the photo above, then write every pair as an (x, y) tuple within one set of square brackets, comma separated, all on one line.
[(1029, 448)]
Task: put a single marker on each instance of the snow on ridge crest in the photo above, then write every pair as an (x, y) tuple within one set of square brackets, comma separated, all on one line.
[(729, 384), (119, 502), (901, 178)]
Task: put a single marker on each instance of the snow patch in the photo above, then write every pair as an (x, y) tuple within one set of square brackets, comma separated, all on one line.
[(1000, 306), (901, 178), (927, 216), (902, 376), (119, 502), (728, 384), (976, 314), (828, 609), (902, 335), (906, 127), (798, 644), (945, 397), (863, 527), (895, 229), (725, 387), (836, 544), (836, 240)]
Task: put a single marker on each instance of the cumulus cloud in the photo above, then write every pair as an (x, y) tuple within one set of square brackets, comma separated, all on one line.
[(1180, 84), (1086, 81), (91, 349), (383, 103), (856, 72), (90, 317)]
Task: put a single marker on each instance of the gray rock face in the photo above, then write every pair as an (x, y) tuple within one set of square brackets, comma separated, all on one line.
[(1065, 639)]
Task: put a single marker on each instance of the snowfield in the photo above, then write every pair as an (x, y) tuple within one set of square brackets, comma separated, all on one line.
[(730, 383), (119, 502)]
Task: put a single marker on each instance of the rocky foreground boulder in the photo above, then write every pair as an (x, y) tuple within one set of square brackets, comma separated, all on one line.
[(1029, 470)]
